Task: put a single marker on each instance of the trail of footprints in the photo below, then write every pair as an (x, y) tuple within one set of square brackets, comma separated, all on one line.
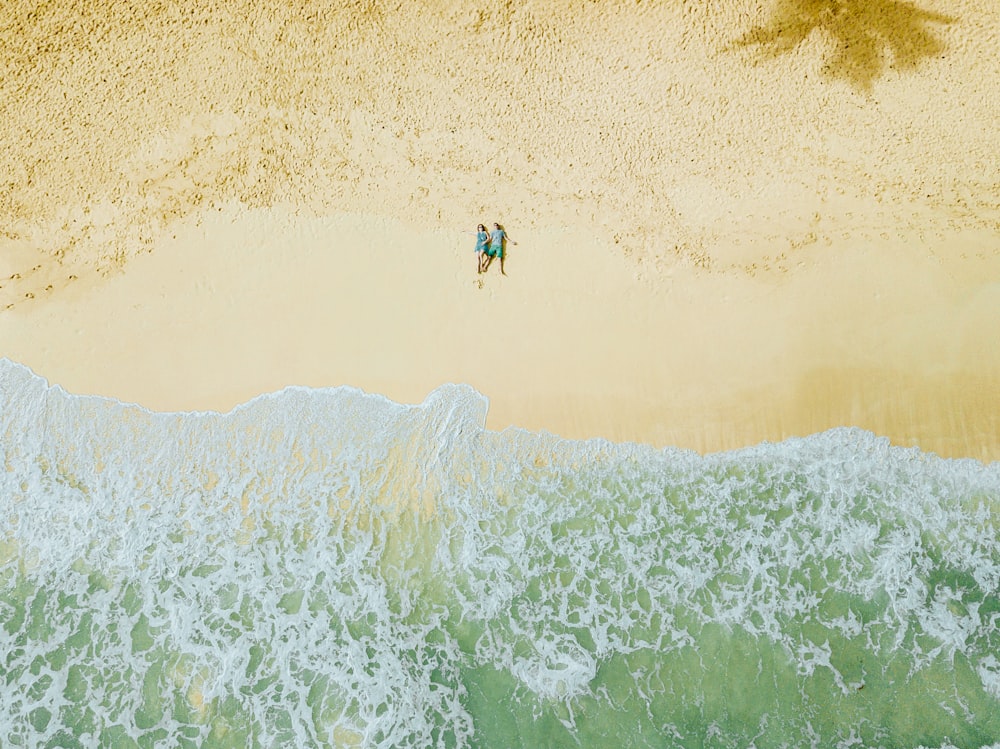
[(11, 294)]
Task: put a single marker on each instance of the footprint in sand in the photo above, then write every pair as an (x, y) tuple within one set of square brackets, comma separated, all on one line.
[(29, 295), (479, 283), (15, 276)]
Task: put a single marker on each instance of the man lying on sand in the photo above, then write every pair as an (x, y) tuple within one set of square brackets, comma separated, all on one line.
[(496, 249)]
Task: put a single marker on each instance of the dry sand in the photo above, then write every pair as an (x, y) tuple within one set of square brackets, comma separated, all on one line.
[(735, 221)]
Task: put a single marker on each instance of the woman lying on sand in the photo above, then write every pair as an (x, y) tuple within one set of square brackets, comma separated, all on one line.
[(482, 241)]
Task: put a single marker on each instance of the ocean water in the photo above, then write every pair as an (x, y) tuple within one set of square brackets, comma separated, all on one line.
[(329, 568)]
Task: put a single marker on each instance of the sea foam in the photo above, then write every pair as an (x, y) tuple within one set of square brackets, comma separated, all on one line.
[(329, 568)]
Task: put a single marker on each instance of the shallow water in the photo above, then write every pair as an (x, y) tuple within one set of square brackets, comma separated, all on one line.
[(329, 568)]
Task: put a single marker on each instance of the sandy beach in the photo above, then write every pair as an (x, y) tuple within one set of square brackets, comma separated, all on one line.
[(734, 223)]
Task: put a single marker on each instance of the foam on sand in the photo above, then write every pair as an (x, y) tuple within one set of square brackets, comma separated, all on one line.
[(330, 568)]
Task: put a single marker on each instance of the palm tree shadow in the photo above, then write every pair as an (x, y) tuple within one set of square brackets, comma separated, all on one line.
[(870, 35)]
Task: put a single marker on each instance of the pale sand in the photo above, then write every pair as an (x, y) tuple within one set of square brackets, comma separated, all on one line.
[(719, 243)]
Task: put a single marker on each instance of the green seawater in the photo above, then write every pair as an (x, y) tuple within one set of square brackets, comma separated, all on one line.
[(328, 568)]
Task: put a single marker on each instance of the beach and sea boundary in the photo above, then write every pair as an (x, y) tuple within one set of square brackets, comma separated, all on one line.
[(714, 464)]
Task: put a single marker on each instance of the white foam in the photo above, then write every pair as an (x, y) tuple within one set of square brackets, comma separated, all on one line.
[(346, 539)]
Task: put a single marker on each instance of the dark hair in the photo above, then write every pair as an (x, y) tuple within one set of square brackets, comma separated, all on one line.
[(481, 228)]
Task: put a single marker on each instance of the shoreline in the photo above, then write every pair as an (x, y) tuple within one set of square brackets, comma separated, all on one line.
[(706, 443), (575, 340)]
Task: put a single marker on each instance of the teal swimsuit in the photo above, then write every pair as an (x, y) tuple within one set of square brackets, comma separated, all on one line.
[(481, 239), (496, 243)]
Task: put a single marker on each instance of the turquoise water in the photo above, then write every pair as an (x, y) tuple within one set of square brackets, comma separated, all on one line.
[(329, 568)]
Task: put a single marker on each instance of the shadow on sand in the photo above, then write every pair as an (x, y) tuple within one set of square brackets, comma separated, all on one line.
[(870, 35)]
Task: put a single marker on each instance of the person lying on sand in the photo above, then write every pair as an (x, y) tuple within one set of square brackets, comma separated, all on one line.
[(496, 249), (482, 241)]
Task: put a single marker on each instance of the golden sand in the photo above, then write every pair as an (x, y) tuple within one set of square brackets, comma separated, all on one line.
[(735, 221)]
